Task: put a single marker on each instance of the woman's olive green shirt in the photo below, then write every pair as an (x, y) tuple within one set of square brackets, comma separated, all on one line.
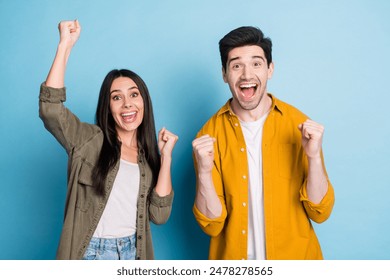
[(83, 209)]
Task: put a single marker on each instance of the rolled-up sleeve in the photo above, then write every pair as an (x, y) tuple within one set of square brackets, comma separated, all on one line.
[(52, 95), (212, 227), (160, 207), (318, 212)]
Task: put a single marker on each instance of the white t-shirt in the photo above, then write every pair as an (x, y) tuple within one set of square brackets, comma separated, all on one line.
[(253, 132), (119, 216)]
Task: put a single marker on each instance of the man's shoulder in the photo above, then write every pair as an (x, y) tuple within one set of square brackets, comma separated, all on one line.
[(214, 121)]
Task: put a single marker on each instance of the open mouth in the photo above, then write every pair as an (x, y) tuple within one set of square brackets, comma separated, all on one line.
[(248, 90), (129, 117)]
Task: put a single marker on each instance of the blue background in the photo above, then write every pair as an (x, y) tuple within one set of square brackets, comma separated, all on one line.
[(331, 61)]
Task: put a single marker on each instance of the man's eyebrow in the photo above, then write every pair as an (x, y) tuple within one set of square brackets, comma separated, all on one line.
[(233, 59), (238, 57), (259, 56)]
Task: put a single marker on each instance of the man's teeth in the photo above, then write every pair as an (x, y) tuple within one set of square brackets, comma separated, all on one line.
[(128, 114), (248, 85)]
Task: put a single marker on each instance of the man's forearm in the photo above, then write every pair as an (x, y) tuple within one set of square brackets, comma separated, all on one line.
[(317, 181), (207, 200)]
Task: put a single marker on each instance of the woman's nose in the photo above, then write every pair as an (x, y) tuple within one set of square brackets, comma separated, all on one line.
[(127, 103)]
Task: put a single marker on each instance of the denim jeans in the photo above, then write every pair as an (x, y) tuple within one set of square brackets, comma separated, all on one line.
[(111, 249)]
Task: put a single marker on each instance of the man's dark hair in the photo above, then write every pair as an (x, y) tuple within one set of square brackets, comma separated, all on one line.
[(244, 36)]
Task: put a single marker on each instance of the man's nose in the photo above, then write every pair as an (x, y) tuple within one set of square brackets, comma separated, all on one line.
[(246, 73)]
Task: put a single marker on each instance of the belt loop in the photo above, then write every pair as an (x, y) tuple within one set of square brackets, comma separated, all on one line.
[(101, 244)]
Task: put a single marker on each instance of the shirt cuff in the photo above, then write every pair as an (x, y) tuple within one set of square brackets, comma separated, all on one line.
[(204, 221), (161, 201), (52, 95), (323, 205)]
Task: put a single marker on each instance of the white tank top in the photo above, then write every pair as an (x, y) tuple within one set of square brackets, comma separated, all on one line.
[(120, 214)]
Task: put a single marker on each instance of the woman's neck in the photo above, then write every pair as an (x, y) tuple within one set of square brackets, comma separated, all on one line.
[(129, 147)]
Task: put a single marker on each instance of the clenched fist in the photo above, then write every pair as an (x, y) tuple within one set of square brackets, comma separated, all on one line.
[(69, 32), (312, 134), (203, 148), (166, 141)]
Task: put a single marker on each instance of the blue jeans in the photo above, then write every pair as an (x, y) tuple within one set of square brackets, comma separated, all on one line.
[(111, 249)]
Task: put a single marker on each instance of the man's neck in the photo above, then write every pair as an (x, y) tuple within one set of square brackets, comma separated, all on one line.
[(254, 114)]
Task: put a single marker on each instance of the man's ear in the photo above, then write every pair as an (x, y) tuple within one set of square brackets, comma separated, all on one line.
[(224, 75), (270, 70)]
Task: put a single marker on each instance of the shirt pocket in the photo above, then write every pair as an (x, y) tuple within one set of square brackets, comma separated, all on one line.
[(287, 160), (85, 189)]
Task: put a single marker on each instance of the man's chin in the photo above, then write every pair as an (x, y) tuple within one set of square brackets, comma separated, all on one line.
[(249, 105)]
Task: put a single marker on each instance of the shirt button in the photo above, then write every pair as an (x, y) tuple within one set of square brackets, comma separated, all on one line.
[(244, 204), (244, 177), (242, 149), (243, 231), (236, 124)]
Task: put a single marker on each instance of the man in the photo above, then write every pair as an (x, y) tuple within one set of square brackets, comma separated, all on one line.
[(260, 171)]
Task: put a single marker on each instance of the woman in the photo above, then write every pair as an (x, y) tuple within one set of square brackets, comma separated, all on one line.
[(118, 172)]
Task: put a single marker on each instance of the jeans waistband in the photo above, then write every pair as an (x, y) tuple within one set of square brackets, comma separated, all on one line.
[(111, 243)]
